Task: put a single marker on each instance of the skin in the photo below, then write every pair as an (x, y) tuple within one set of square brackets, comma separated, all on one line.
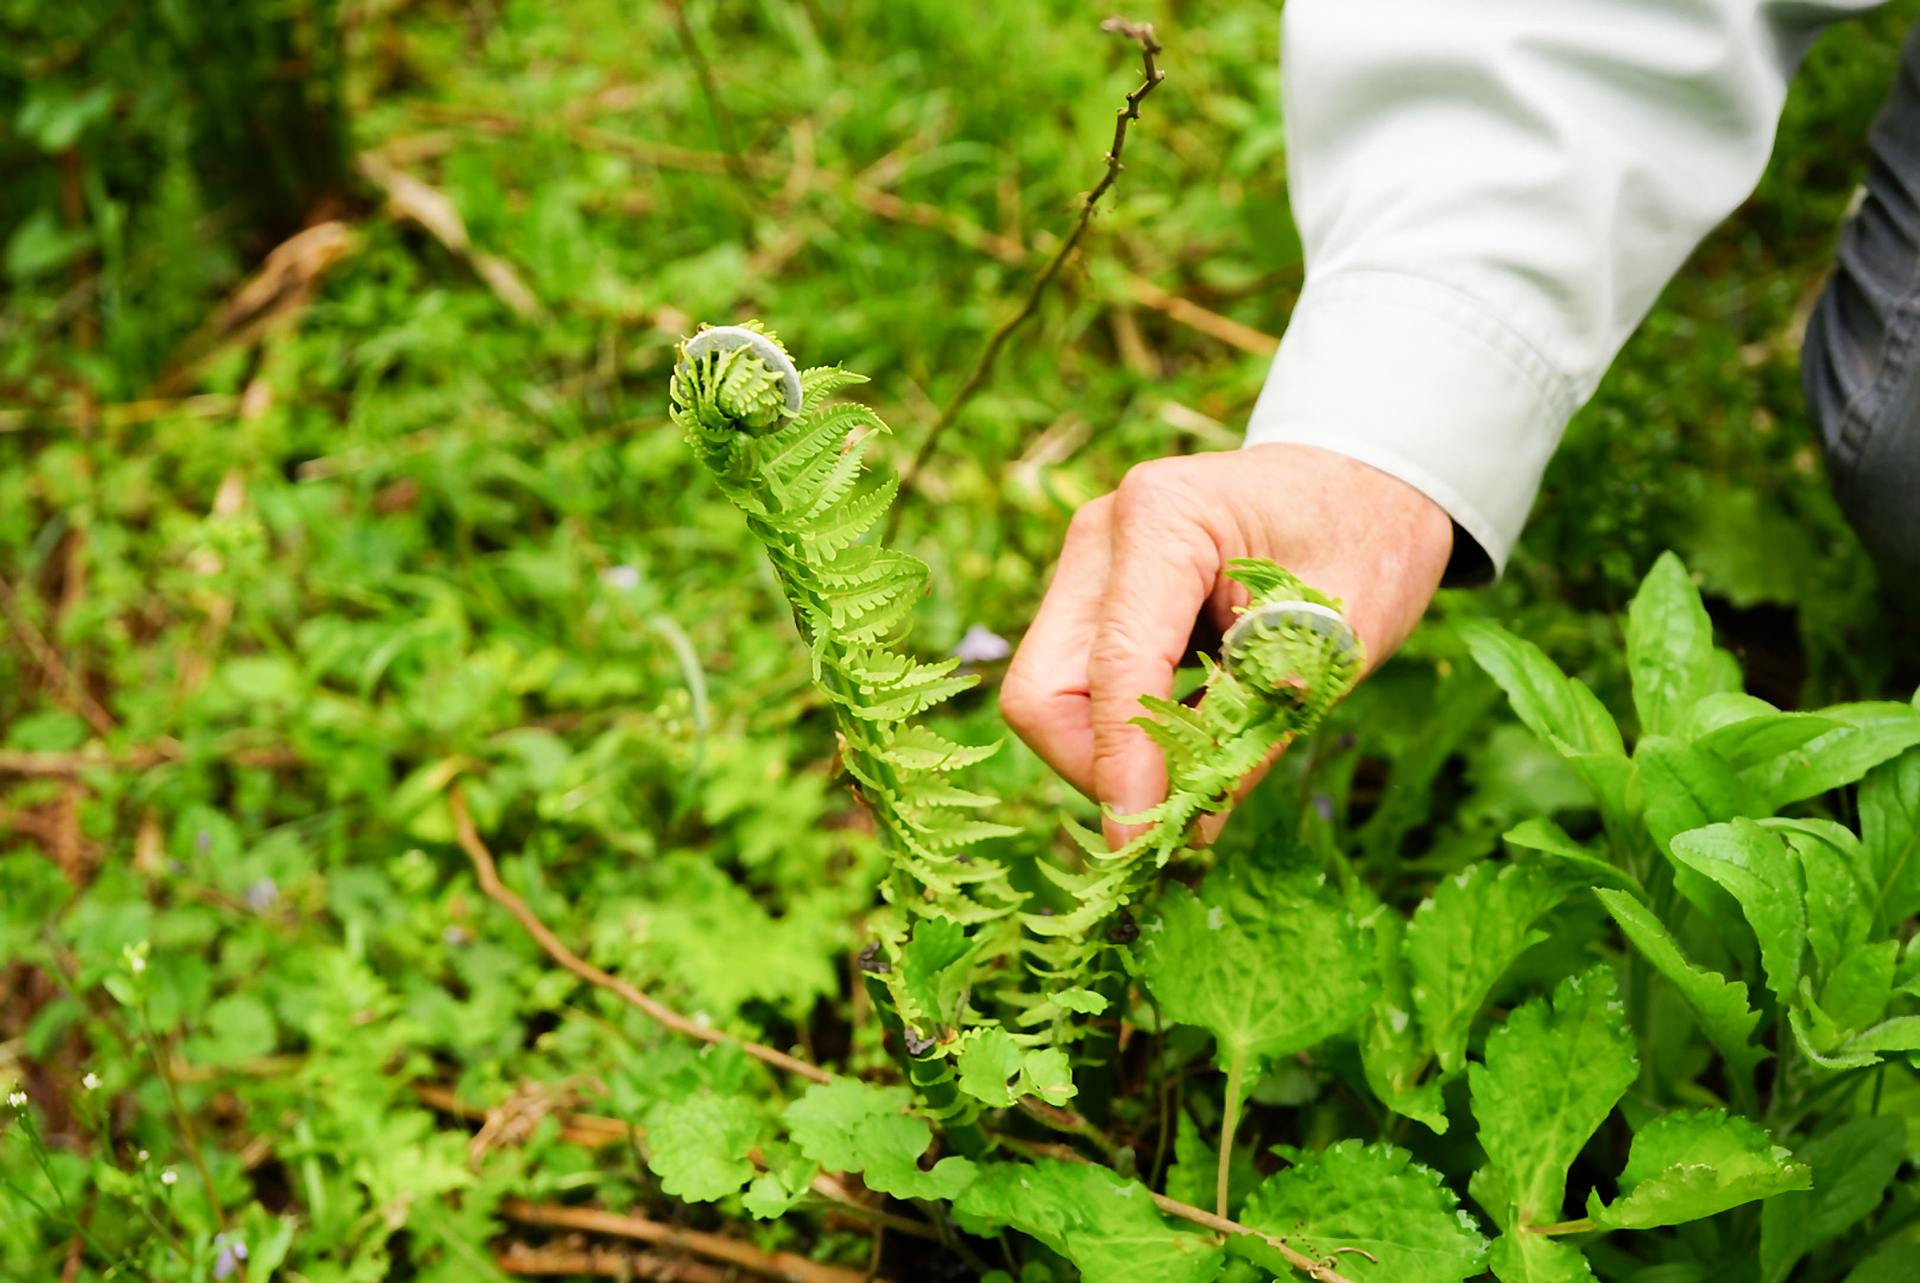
[(1141, 564)]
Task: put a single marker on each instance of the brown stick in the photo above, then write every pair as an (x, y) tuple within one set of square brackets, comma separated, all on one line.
[(1141, 33), (469, 839), (784, 1266), (50, 663), (1320, 1270), (560, 1262)]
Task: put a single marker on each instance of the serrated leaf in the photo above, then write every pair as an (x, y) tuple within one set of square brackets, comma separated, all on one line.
[(1530, 1258), (788, 1177), (1463, 939), (1852, 1166), (1669, 647), (1391, 1050), (1720, 1004), (700, 1145), (1762, 873), (1266, 958), (1534, 1113), (1685, 1166), (850, 1126), (1373, 1199), (1104, 1224)]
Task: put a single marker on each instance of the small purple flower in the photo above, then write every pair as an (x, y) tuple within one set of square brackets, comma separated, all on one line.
[(262, 895), (982, 646), (1323, 807), (232, 1252)]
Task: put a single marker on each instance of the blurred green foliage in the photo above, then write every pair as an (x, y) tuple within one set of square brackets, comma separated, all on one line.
[(297, 576)]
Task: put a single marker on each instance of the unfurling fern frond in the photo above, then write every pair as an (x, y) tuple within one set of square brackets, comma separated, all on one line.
[(1289, 658), (787, 462)]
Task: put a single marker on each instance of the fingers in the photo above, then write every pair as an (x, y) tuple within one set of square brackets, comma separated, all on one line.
[(1045, 695), (1164, 564)]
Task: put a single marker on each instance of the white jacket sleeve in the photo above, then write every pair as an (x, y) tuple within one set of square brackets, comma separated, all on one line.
[(1491, 194)]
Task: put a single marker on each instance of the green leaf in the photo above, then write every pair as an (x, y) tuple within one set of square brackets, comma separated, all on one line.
[(1669, 648), (1838, 914), (1753, 741), (1686, 1166), (1719, 1004), (1463, 939), (995, 1069), (788, 1177), (1266, 958), (1890, 837), (850, 1126), (1873, 732), (1193, 1177), (1575, 861), (1852, 1166), (1106, 1225), (1682, 787), (932, 978), (1557, 708), (1763, 873), (1531, 1258), (1857, 992), (1372, 1198), (1899, 1263), (700, 1145), (1391, 1049), (1534, 1112)]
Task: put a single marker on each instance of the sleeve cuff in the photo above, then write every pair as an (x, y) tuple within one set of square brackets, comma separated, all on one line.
[(1411, 377)]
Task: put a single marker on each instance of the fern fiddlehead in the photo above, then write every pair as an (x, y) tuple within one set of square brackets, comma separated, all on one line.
[(792, 465)]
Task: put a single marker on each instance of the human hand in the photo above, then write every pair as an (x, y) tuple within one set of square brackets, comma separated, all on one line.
[(1139, 566)]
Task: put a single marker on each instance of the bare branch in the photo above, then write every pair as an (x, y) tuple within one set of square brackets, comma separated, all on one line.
[(469, 839), (784, 1266), (1141, 33)]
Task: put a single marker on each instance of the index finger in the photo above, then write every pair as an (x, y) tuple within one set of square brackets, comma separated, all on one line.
[(1165, 563)]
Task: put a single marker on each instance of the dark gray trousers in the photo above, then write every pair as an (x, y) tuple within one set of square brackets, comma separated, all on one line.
[(1860, 365)]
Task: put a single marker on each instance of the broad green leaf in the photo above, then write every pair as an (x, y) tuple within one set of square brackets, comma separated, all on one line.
[(1873, 732), (1392, 1051), (1857, 992), (1682, 787), (1106, 1225), (1755, 740), (1838, 914), (1852, 1166), (1890, 836), (1373, 1198), (1557, 708), (1669, 648), (1763, 873), (1535, 1113), (1828, 1045), (1530, 1258), (1465, 937), (1576, 861), (1719, 1004), (1686, 1166), (850, 1126), (700, 1145), (1266, 958)]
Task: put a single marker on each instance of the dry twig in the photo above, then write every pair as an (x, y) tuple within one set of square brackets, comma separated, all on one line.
[(409, 198), (469, 839), (1141, 33), (784, 1266), (571, 1262), (51, 664)]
